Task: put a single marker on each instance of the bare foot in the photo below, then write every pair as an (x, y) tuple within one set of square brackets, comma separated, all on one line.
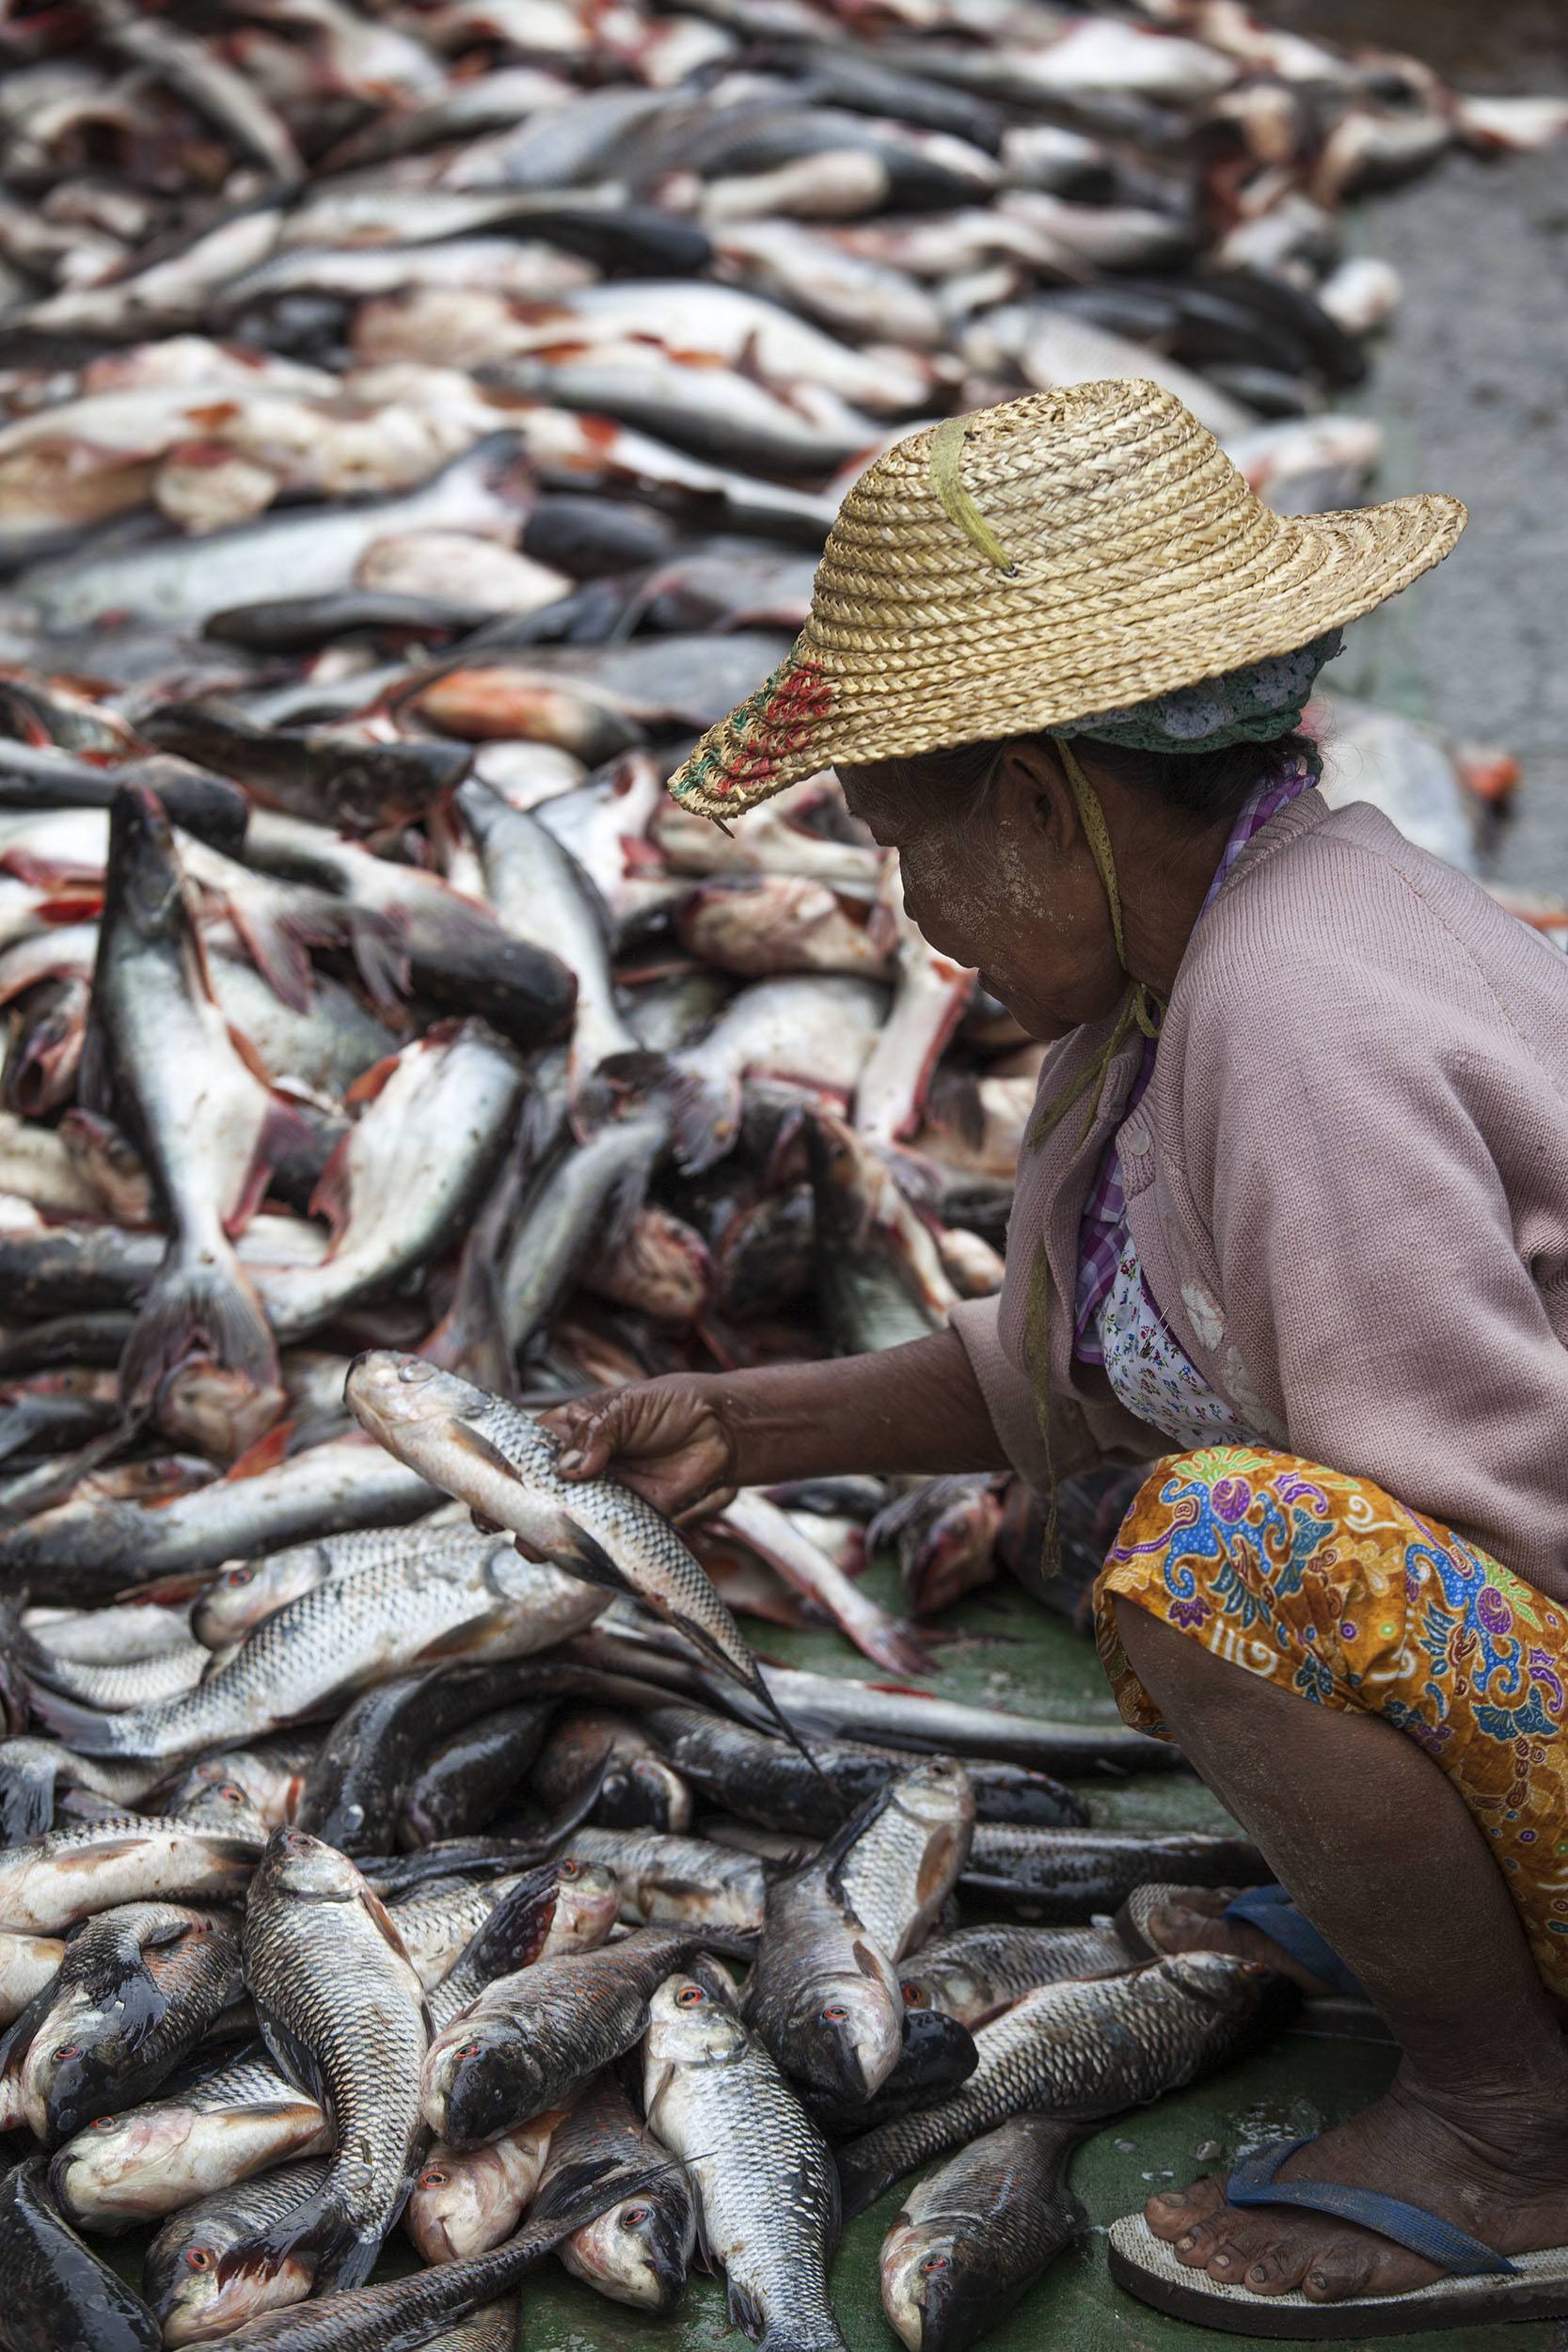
[(1192, 1919), (1496, 2169)]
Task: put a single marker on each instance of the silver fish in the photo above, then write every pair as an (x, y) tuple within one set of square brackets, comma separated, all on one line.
[(669, 1882), (236, 1601), (766, 2190), (472, 1597), (182, 2274), (50, 1883), (340, 2007), (823, 1995), (497, 1458), (220, 2127), (639, 2252), (976, 1973), (899, 1871), (978, 2232), (210, 1126), (1084, 2048), (466, 2200)]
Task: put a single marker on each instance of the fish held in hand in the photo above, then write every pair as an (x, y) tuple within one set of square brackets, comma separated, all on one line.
[(498, 1459)]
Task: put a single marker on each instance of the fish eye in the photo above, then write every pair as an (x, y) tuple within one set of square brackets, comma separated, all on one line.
[(198, 2258), (68, 2050), (103, 2123), (470, 2049), (415, 1371), (914, 1995), (635, 2216), (433, 2178), (933, 2263), (569, 1870), (834, 2014), (239, 1576), (691, 1996)]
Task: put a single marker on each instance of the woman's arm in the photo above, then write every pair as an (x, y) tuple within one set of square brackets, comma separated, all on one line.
[(693, 1439)]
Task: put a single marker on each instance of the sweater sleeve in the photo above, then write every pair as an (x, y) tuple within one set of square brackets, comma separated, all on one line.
[(1370, 1255), (1076, 1444)]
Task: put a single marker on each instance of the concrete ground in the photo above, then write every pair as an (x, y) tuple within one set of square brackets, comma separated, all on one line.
[(1472, 387)]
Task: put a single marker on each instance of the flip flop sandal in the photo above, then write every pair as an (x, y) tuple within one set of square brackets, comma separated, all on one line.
[(1482, 2286), (1267, 1908)]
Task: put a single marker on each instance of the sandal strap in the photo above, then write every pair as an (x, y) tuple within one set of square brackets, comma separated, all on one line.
[(1254, 2182), (1271, 1910)]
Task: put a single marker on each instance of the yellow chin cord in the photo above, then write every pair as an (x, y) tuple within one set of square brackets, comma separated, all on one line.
[(1141, 1008)]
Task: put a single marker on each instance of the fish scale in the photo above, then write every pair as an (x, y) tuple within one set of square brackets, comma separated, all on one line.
[(899, 1875), (363, 1625), (53, 1881), (765, 2181), (340, 2006), (179, 2272), (976, 1973), (238, 1599), (979, 2229), (1083, 2048)]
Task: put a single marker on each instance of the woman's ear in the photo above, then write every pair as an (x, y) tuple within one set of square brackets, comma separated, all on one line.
[(1032, 785)]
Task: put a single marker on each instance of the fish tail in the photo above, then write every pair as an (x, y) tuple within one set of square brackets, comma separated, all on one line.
[(319, 2236), (84, 1729), (707, 1112), (200, 1306)]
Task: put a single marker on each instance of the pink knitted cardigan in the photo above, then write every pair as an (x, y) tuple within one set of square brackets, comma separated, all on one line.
[(1347, 1185)]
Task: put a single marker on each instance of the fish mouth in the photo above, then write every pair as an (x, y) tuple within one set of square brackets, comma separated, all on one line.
[(663, 2267), (952, 2305), (201, 2309), (488, 2094)]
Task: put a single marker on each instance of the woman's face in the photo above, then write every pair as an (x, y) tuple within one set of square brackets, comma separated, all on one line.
[(1004, 882)]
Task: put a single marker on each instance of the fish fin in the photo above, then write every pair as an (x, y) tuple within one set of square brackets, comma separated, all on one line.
[(746, 2313), (26, 1799), (706, 1113), (276, 950), (515, 1930), (380, 957), (579, 1556), (830, 1856), (319, 2226), (285, 1130), (292, 2056), (370, 1082), (330, 1200), (270, 1449), (199, 1308), (82, 1728)]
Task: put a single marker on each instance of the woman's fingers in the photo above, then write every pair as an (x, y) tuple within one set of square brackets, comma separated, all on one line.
[(587, 1434)]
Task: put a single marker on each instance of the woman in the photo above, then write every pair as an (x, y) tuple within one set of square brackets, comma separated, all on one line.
[(1293, 1213)]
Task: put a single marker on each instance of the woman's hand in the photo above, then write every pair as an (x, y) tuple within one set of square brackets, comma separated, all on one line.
[(670, 1438)]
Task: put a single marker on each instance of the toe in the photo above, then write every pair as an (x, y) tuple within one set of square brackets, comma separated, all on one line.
[(1172, 2214), (1279, 2266), (1202, 2241), (1338, 2272)]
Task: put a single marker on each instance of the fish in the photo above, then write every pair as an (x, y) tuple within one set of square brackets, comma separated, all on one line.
[(634, 1787), (559, 1906), (1060, 1876), (1084, 2048), (937, 2054), (922, 1720), (27, 1964), (80, 1550), (944, 1534), (533, 2038), (343, 2011), (823, 1995), (472, 1597), (212, 1130), (766, 2187), (52, 1882), (465, 1780), (636, 2252), (235, 1602), (500, 1462), (878, 1271), (976, 2233), (137, 1989), (541, 895), (433, 1120), (466, 2200), (814, 1032), (899, 1871), (214, 2127), (331, 775), (670, 1881), (973, 1973), (181, 2271), (315, 551), (808, 1569), (59, 2296), (580, 1202)]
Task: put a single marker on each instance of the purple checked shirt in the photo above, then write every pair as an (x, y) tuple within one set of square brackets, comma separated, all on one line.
[(1102, 1234)]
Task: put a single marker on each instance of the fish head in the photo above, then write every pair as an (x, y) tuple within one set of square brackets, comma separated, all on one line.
[(483, 2076), (388, 1392), (217, 1800), (463, 2203), (933, 2298), (587, 1905), (951, 1558), (71, 2073), (690, 2024), (939, 2052), (221, 1409), (118, 2168), (643, 1792), (938, 1793), (639, 2252), (1242, 1989), (193, 2298), (249, 1591), (294, 1863), (950, 1988), (843, 2035)]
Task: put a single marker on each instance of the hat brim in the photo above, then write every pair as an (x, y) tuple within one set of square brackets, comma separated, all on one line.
[(886, 694)]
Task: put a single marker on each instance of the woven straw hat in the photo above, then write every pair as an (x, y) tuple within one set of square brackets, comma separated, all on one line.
[(1059, 556)]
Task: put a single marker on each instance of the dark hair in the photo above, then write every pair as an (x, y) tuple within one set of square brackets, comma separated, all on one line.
[(1204, 786)]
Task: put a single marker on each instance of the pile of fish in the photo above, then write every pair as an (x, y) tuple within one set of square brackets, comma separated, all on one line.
[(471, 1873), (416, 423)]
